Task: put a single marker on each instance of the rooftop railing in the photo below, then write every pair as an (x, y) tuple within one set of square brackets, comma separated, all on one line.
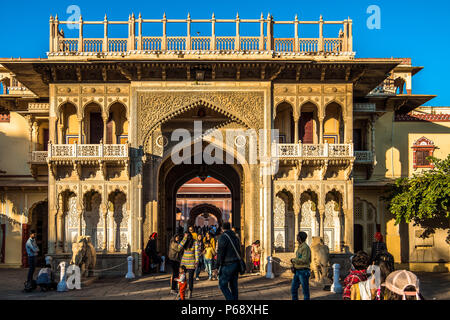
[(265, 41), (85, 151), (325, 150)]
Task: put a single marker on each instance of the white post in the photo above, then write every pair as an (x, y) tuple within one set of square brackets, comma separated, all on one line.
[(269, 273), (62, 285), (130, 274), (336, 286)]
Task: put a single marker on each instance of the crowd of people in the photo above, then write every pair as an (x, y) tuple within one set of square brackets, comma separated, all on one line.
[(218, 252), (370, 277)]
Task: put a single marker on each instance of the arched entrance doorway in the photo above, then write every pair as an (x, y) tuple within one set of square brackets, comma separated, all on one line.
[(204, 210), (37, 221), (172, 177)]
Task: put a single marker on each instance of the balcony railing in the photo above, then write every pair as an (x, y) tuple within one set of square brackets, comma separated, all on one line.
[(39, 157), (364, 156), (265, 41), (292, 150), (85, 151)]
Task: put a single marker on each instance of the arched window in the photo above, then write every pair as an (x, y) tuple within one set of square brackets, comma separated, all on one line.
[(422, 149)]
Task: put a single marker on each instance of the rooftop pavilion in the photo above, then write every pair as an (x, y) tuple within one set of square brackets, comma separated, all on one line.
[(263, 45)]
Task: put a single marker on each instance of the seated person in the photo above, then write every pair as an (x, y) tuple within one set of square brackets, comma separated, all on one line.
[(45, 279)]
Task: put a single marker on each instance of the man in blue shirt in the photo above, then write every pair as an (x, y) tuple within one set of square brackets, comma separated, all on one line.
[(32, 252)]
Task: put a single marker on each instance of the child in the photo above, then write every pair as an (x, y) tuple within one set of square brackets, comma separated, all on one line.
[(209, 254), (256, 255), (45, 278), (182, 283)]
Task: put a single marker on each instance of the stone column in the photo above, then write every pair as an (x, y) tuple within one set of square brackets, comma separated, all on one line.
[(348, 229), (112, 233), (60, 133), (321, 130), (297, 212), (296, 129), (321, 222), (105, 121)]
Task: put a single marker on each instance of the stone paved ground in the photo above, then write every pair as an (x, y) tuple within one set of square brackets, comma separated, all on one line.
[(156, 287)]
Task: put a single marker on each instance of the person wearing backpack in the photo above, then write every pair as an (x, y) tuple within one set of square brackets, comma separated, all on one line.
[(228, 262), (46, 279)]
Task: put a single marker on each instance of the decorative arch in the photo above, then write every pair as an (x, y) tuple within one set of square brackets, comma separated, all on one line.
[(423, 148), (203, 209), (199, 103), (309, 215)]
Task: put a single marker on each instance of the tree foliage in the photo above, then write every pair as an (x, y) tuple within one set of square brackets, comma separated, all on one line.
[(424, 198)]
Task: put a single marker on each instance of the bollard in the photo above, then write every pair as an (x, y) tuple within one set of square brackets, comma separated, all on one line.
[(336, 286), (162, 267), (130, 274), (269, 273), (62, 285)]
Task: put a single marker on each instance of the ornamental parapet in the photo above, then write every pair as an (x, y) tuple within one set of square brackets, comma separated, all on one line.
[(293, 150), (88, 151)]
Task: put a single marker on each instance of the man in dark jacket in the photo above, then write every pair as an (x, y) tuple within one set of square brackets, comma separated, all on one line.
[(228, 262), (175, 254)]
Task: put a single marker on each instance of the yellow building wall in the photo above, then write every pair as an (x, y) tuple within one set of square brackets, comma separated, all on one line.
[(14, 145)]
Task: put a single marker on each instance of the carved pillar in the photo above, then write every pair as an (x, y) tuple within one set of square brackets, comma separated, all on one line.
[(321, 130), (296, 118), (112, 234), (104, 212), (34, 136), (321, 222), (296, 221), (105, 120)]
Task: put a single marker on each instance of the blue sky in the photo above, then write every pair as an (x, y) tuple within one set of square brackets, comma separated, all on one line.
[(415, 29)]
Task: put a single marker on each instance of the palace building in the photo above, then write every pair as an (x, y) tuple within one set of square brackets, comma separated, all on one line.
[(87, 140)]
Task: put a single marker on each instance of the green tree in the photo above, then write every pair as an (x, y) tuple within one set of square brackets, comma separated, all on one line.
[(424, 198)]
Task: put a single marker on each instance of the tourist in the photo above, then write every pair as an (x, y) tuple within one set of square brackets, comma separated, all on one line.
[(182, 283), (150, 251), (192, 232), (228, 262), (360, 262), (175, 254), (210, 239), (208, 255), (190, 258), (32, 252), (46, 279), (378, 246), (256, 256), (402, 285), (369, 289), (301, 264), (201, 263)]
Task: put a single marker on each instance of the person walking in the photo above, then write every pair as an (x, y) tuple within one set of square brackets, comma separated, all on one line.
[(228, 262), (208, 255), (175, 254), (190, 258), (201, 263), (32, 252), (301, 264), (152, 253)]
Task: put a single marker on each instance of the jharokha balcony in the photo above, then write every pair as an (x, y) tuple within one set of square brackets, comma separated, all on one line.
[(266, 43)]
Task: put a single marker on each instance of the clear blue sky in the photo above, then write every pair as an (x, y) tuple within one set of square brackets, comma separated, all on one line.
[(416, 29)]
